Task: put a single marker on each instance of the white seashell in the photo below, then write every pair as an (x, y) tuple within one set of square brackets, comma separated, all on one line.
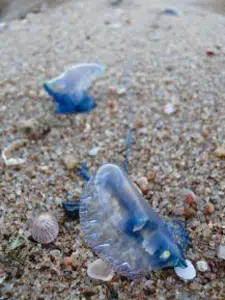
[(44, 229), (94, 151), (8, 150), (188, 273), (100, 270)]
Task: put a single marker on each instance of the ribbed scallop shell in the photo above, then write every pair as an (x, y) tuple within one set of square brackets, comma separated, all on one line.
[(44, 229)]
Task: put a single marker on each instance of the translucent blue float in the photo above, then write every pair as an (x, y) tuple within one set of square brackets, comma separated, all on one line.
[(120, 226), (70, 90)]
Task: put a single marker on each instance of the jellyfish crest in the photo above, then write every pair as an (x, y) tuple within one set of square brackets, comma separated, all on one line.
[(69, 90), (80, 77)]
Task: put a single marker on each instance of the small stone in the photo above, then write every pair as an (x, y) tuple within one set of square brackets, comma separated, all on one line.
[(151, 176), (44, 169), (169, 109), (56, 253), (67, 260), (94, 151), (178, 211), (115, 2), (210, 52), (189, 212), (70, 162), (121, 91), (190, 199), (221, 251), (3, 26), (143, 184), (116, 25), (112, 105), (100, 270), (32, 94), (205, 132), (139, 124), (171, 11), (209, 208), (202, 266), (220, 152), (76, 258)]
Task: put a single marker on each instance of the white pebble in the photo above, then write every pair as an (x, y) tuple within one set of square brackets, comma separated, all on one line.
[(202, 266), (2, 26), (187, 273), (169, 109), (221, 251), (100, 270), (94, 151)]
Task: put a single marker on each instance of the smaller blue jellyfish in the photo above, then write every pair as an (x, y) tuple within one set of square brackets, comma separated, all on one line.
[(70, 90)]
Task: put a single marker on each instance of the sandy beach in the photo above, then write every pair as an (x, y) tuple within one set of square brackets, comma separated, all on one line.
[(171, 68)]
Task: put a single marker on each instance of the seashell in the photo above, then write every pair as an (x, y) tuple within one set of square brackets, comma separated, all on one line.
[(100, 270), (8, 150), (187, 273), (69, 90), (123, 230), (44, 229)]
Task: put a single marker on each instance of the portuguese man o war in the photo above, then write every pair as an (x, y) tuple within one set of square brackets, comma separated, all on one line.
[(121, 228), (70, 90)]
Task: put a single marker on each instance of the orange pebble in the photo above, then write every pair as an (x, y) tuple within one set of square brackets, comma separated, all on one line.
[(67, 260), (209, 208), (190, 198)]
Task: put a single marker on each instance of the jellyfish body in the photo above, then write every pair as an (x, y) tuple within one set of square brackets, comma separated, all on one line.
[(121, 227), (70, 90)]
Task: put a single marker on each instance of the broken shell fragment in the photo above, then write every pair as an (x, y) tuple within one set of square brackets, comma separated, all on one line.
[(188, 273), (100, 270), (44, 229), (8, 150)]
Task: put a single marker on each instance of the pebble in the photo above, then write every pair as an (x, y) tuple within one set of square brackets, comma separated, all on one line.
[(169, 109), (115, 2), (94, 151), (202, 266), (220, 152), (121, 91), (151, 176), (143, 184), (190, 199), (32, 94), (67, 260), (70, 162), (188, 273), (55, 253), (221, 251), (76, 258), (210, 52), (100, 270), (139, 124), (205, 132), (171, 11), (116, 25), (3, 26), (209, 208)]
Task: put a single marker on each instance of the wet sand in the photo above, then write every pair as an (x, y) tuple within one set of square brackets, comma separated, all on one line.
[(161, 61)]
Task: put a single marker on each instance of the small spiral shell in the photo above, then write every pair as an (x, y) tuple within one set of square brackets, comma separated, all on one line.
[(44, 229)]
